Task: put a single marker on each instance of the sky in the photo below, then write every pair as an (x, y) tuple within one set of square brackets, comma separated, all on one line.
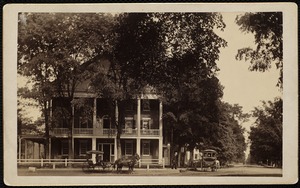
[(244, 87)]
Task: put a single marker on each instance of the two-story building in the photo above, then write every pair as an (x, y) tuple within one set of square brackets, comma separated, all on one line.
[(142, 131)]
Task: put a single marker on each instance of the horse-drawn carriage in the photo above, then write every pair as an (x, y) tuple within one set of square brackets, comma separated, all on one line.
[(93, 163), (208, 161)]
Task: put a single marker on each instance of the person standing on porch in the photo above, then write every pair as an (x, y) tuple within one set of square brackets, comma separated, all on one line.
[(174, 160)]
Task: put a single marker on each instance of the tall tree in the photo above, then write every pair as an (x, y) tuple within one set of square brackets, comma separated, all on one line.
[(267, 30), (266, 134), (174, 54), (229, 134), (52, 49)]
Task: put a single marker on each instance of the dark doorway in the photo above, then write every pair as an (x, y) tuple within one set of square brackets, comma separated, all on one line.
[(106, 155)]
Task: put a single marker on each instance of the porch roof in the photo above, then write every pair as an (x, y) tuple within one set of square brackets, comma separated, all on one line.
[(33, 138)]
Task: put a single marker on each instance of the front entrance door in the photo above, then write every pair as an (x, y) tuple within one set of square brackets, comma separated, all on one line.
[(108, 149), (106, 155)]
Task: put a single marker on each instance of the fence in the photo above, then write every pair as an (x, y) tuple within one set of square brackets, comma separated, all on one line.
[(43, 162), (152, 162)]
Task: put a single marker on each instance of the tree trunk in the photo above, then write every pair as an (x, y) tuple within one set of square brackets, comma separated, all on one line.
[(71, 152), (47, 127), (119, 148), (121, 122), (118, 117), (172, 145), (191, 157)]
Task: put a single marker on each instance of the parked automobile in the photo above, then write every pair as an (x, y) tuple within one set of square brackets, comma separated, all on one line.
[(207, 161)]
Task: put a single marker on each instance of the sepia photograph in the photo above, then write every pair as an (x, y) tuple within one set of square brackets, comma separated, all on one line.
[(146, 94)]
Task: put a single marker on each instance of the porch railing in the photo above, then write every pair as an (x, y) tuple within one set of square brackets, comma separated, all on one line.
[(109, 131), (85, 131), (129, 132), (89, 131), (150, 132), (132, 132)]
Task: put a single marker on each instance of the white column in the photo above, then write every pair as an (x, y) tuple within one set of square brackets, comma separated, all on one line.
[(138, 124), (138, 148), (25, 152), (138, 118), (160, 119), (73, 148), (160, 141), (115, 149), (94, 146), (33, 146), (20, 146), (160, 149)]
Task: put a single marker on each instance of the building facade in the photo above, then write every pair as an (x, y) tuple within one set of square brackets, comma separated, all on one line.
[(142, 131)]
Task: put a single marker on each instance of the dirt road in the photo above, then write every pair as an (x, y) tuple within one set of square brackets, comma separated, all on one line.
[(234, 171)]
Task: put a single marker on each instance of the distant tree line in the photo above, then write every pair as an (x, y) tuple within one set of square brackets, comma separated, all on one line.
[(266, 134)]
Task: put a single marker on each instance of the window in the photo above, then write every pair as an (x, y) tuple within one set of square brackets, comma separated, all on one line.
[(129, 148), (83, 122), (82, 147), (129, 123), (112, 150), (64, 147), (146, 123), (146, 105), (146, 148), (106, 122)]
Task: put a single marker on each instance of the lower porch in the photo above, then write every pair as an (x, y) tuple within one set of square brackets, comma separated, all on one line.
[(148, 149)]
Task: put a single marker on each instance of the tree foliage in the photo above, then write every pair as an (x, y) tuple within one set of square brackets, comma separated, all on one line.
[(53, 49), (175, 55), (25, 124), (266, 135), (158, 48), (230, 136), (267, 29)]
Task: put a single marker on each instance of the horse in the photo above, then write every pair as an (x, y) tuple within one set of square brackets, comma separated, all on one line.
[(126, 161)]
